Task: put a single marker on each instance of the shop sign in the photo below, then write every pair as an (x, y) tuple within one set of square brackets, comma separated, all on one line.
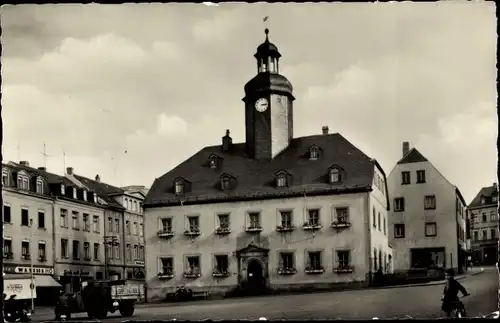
[(36, 270), (69, 272)]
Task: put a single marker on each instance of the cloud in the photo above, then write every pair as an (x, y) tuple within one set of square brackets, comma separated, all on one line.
[(161, 81)]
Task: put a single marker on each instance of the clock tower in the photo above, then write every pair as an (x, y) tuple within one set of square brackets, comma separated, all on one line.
[(268, 106)]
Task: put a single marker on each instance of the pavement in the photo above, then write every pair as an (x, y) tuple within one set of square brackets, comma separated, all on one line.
[(422, 302)]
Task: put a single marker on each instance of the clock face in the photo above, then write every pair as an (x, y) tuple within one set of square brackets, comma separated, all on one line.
[(261, 105)]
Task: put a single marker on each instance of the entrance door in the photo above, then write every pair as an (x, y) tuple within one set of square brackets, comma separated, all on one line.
[(255, 277)]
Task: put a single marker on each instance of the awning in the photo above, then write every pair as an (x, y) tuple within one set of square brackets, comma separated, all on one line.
[(46, 281)]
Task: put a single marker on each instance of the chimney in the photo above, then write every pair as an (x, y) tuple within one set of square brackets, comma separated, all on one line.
[(42, 168), (24, 163), (97, 178), (69, 170), (325, 130), (406, 147), (227, 142)]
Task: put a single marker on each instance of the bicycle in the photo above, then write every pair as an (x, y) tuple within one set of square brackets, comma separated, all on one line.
[(458, 309)]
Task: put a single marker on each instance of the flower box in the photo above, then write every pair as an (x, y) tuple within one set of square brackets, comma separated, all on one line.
[(344, 270), (192, 233), (308, 226), (340, 225), (26, 257), (285, 228), (9, 255), (256, 228), (166, 275), (165, 233), (42, 259), (219, 273), (286, 271), (223, 230), (191, 274), (311, 270)]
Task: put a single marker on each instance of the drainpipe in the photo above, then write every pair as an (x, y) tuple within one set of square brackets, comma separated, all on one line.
[(368, 239), (54, 252)]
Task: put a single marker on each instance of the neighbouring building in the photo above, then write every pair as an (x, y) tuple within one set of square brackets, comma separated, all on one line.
[(275, 212), (75, 224), (28, 227), (427, 218), (123, 232), (483, 225)]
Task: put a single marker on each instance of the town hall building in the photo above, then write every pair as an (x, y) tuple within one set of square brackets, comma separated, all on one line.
[(272, 213)]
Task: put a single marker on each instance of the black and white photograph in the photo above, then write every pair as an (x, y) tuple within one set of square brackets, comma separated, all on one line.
[(253, 161)]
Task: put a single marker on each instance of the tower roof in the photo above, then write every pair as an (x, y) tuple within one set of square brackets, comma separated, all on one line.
[(267, 49)]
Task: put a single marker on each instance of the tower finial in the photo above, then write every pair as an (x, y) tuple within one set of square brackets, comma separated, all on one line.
[(267, 34)]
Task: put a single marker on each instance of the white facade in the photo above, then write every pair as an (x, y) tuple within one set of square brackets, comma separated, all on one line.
[(412, 225), (354, 239)]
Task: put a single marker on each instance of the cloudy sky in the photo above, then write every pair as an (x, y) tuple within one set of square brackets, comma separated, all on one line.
[(129, 91)]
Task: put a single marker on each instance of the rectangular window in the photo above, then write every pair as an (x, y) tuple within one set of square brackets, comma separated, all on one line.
[(254, 218), (117, 251), (86, 250), (7, 248), (286, 260), (221, 264), (76, 220), (430, 229), (286, 219), (117, 225), (141, 229), (7, 217), (385, 227), (167, 266), (430, 202), (493, 216), (86, 222), (374, 217), (96, 251), (420, 176), (378, 222), (399, 204), (110, 225), (5, 179), (41, 219), (64, 248), (342, 214), (485, 235), (64, 218), (223, 221), (76, 249), (485, 218), (128, 252), (96, 224), (193, 265), (314, 258), (136, 228), (493, 234), (405, 178), (25, 250), (194, 224), (166, 225), (136, 252), (476, 236), (25, 218), (313, 215), (39, 186), (84, 195), (344, 259), (399, 230), (127, 227), (281, 181)]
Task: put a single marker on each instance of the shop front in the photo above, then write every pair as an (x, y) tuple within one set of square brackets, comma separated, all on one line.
[(135, 271), (46, 288), (72, 276)]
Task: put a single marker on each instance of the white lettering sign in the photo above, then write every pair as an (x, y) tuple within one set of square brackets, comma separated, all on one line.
[(36, 270)]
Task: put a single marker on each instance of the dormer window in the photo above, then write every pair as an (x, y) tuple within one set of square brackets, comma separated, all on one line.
[(23, 182), (85, 195), (74, 193), (314, 152), (63, 189), (5, 179), (483, 200), (214, 161), (179, 187), (281, 180), (39, 185), (95, 197), (335, 175)]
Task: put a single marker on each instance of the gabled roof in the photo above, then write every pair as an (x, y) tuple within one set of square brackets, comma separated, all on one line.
[(412, 156), (487, 192), (255, 177), (103, 190)]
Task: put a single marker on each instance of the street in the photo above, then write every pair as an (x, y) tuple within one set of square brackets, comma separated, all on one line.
[(418, 302)]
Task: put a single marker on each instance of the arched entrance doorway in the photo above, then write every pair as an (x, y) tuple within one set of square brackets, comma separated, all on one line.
[(256, 281)]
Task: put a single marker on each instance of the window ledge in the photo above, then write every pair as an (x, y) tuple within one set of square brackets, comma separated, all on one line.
[(222, 230), (341, 225), (165, 276), (399, 237), (312, 227), (344, 270), (287, 271), (314, 271), (287, 228), (192, 233), (221, 274), (165, 234), (253, 229), (191, 275)]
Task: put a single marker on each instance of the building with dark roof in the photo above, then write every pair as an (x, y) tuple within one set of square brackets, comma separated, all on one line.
[(483, 225), (427, 225), (274, 212), (70, 220)]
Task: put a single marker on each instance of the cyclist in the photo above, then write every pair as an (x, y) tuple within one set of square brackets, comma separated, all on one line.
[(450, 292)]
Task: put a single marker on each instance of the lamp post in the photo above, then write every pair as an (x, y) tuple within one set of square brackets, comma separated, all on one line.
[(32, 284)]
